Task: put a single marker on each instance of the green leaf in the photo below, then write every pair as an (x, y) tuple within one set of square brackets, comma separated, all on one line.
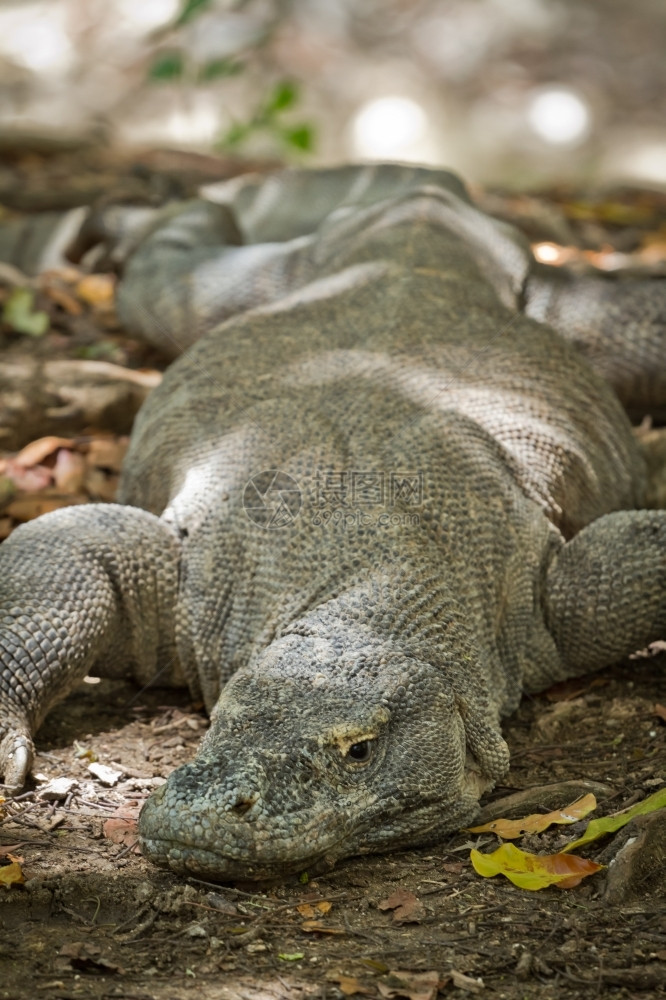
[(19, 313), (304, 878), (219, 67), (300, 137), (191, 8), (284, 95), (609, 824), (291, 956), (167, 66)]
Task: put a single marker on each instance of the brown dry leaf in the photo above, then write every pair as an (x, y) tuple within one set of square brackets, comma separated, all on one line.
[(509, 829), (660, 711), (453, 867), (312, 910), (313, 926), (62, 298), (123, 831), (69, 471), (108, 452), (7, 850), (22, 480), (103, 464), (413, 985), (97, 290), (35, 452), (122, 827), (463, 982), (11, 874), (407, 908), (87, 957), (349, 985)]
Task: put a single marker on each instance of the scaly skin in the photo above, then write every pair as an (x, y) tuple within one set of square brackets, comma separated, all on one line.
[(453, 491)]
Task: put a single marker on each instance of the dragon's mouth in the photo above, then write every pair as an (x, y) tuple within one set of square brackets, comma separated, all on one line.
[(224, 848), (217, 866)]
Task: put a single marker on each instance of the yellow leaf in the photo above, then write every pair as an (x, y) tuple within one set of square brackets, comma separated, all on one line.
[(509, 829), (11, 874), (533, 871), (97, 290), (609, 824)]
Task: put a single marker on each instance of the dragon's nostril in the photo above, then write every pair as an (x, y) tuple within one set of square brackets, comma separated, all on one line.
[(242, 806)]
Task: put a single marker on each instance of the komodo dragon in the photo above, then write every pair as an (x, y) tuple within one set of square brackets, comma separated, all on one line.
[(373, 504)]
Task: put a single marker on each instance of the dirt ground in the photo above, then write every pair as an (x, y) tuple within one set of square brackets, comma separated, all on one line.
[(94, 919)]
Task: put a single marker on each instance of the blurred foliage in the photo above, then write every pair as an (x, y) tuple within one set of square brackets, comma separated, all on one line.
[(170, 65), (268, 120), (189, 10)]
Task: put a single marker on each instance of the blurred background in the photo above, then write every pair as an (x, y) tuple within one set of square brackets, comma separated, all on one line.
[(516, 92)]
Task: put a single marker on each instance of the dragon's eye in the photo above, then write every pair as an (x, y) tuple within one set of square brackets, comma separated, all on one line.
[(360, 752)]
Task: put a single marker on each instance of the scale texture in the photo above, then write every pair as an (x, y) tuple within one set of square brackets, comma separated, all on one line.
[(388, 485)]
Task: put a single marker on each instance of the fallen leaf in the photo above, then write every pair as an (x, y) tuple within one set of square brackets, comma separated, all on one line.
[(349, 985), (376, 966), (7, 850), (35, 452), (407, 908), (62, 298), (81, 752), (87, 957), (316, 925), (24, 480), (123, 831), (453, 867), (509, 829), (122, 826), (312, 910), (533, 871), (20, 314), (11, 874), (291, 956), (69, 471), (609, 824), (108, 452), (463, 982), (413, 985), (660, 711), (97, 290)]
